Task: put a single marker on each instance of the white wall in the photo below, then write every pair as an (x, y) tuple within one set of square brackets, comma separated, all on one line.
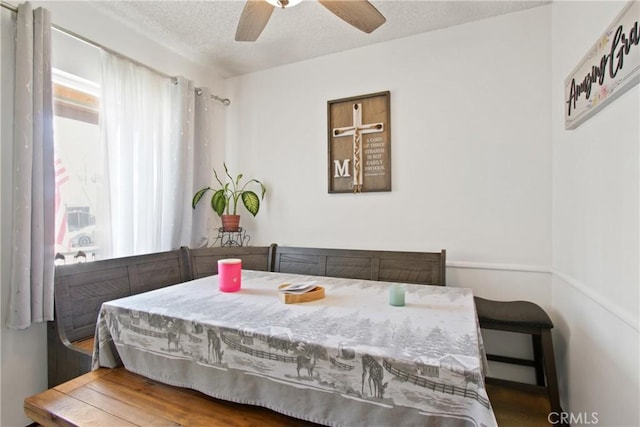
[(595, 232), (470, 149), (471, 152), (24, 353)]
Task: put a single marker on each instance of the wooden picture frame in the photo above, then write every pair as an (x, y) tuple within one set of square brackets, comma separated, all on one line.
[(359, 144)]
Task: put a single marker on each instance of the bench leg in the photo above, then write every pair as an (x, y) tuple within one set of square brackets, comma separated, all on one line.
[(538, 358), (550, 370)]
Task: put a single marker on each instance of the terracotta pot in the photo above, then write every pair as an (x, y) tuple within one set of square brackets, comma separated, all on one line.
[(230, 222)]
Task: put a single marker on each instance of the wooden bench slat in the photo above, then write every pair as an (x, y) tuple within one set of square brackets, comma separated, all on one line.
[(190, 407), (53, 408), (144, 395), (120, 407), (81, 381)]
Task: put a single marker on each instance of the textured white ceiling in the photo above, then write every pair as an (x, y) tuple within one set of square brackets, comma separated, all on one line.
[(204, 31)]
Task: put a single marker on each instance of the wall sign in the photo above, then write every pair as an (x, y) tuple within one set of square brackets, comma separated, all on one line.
[(359, 144), (610, 68)]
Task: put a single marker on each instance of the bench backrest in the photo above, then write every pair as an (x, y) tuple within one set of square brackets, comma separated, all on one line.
[(204, 261), (80, 289), (427, 268)]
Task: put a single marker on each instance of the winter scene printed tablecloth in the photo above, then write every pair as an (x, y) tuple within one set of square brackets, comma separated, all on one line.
[(349, 359)]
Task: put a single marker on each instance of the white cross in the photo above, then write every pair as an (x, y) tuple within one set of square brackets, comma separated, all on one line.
[(357, 130)]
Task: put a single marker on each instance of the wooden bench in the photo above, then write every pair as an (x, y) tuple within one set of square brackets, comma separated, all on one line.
[(426, 268), (117, 397), (80, 290)]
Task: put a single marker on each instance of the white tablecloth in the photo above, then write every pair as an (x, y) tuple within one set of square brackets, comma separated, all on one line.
[(350, 359)]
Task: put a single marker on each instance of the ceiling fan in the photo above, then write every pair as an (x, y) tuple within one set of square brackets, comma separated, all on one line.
[(256, 13)]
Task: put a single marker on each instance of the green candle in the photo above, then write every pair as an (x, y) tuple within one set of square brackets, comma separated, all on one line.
[(396, 295)]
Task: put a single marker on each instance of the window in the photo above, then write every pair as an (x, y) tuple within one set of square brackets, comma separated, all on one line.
[(136, 204), (78, 166)]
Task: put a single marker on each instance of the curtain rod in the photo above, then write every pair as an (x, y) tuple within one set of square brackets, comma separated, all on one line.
[(224, 101), (11, 7)]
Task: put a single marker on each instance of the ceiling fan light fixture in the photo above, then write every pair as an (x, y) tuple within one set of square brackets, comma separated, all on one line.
[(284, 3)]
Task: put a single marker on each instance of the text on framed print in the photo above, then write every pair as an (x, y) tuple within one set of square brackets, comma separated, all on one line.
[(610, 68)]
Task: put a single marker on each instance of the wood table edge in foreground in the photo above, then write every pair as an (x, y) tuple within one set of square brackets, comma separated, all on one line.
[(107, 397)]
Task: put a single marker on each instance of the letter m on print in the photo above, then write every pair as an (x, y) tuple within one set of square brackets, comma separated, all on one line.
[(341, 169)]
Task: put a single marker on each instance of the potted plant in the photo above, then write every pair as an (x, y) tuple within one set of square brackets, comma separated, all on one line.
[(225, 199)]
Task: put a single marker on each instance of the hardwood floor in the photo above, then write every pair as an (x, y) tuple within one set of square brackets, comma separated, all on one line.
[(515, 408)]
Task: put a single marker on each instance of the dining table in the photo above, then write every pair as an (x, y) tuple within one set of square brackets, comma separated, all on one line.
[(350, 358)]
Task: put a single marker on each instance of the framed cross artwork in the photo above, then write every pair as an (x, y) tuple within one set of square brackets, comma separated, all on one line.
[(359, 131)]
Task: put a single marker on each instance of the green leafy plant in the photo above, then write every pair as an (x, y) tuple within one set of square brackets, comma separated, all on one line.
[(225, 199)]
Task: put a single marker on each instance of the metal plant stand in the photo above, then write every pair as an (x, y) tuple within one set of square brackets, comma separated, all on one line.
[(232, 238)]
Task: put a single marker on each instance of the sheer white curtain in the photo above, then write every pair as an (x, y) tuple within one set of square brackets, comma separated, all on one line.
[(147, 129), (202, 172), (31, 294)]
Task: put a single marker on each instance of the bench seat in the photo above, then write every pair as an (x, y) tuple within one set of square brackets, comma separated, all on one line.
[(85, 344)]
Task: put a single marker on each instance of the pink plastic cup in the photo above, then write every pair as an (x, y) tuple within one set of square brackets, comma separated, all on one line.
[(229, 274)]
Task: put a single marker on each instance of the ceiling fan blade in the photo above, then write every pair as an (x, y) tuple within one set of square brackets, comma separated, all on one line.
[(359, 13), (254, 18)]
